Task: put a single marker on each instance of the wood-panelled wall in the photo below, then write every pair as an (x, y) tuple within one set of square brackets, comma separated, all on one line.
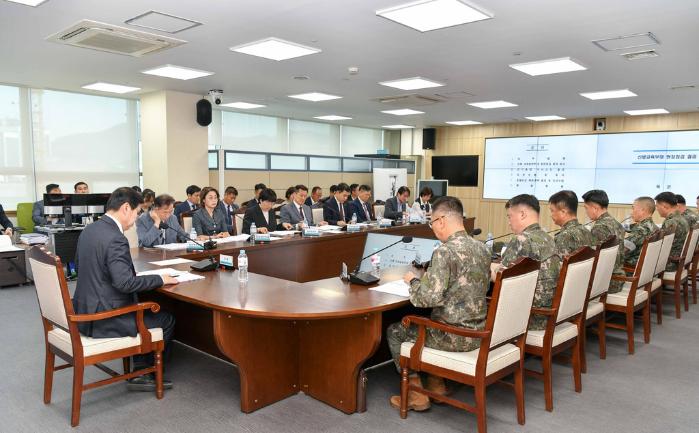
[(470, 140)]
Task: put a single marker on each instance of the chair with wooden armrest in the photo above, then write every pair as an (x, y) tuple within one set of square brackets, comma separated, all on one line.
[(678, 280), (63, 339), (655, 291), (317, 214), (185, 220), (594, 306), (238, 224), (564, 322), (501, 352), (634, 294)]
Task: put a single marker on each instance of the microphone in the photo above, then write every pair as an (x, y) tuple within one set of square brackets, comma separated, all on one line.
[(208, 245), (366, 278), (475, 232), (209, 264), (498, 237)]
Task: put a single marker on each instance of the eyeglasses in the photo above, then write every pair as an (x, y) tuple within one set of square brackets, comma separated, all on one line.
[(435, 219)]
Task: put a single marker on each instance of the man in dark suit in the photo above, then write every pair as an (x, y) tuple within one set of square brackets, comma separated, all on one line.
[(361, 205), (256, 200), (228, 205), (107, 280), (263, 215), (313, 200), (298, 211), (395, 206), (5, 222), (336, 210), (192, 202)]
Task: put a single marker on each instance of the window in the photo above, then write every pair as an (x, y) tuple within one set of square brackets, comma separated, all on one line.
[(314, 138), (87, 138), (246, 161), (356, 165), (287, 162), (242, 131), (324, 164), (360, 141), (16, 185), (213, 160)]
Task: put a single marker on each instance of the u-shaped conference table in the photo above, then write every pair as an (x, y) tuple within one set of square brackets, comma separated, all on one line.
[(294, 326)]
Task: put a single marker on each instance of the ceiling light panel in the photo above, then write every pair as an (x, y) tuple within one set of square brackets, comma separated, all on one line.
[(426, 15), (403, 112), (411, 83), (33, 3), (315, 96), (544, 118), (162, 22), (609, 94), (332, 117), (242, 105), (177, 72), (627, 42), (646, 112), (464, 122), (398, 127), (551, 66), (487, 105), (275, 49), (110, 88)]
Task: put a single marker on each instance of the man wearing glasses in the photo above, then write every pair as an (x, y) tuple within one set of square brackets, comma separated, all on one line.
[(454, 286), (148, 225)]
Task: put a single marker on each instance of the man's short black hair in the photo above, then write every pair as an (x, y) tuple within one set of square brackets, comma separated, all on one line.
[(354, 186), (342, 187), (364, 188), (51, 186), (597, 196), (565, 199), (259, 186), (680, 199), (268, 194), (426, 190), (148, 195), (333, 188), (192, 189), (667, 197), (231, 190), (290, 190), (136, 188), (527, 200), (315, 189), (163, 200), (448, 204), (124, 195), (403, 189), (300, 187), (75, 187)]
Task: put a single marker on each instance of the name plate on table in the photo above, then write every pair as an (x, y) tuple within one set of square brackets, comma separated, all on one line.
[(415, 219), (311, 231), (226, 261), (353, 228), (262, 237), (385, 222)]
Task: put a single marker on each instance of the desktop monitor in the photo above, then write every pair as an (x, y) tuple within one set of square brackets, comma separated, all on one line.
[(440, 187), (54, 204)]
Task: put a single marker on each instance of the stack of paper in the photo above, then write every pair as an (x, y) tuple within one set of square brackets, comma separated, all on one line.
[(33, 239), (328, 227), (398, 287), (171, 262), (180, 276), (284, 232), (6, 244)]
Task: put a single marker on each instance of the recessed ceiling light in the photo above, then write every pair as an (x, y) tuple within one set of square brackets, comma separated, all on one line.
[(551, 66), (426, 15), (111, 88), (398, 127), (33, 3), (332, 117), (648, 111), (544, 118), (162, 22), (177, 72), (411, 83), (315, 96), (464, 122), (609, 94), (403, 112), (486, 105), (242, 105), (275, 49)]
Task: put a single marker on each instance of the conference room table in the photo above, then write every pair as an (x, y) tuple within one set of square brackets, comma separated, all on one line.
[(294, 326)]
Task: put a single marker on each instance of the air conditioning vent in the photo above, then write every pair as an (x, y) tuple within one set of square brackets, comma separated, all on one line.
[(407, 101), (641, 55), (113, 39)]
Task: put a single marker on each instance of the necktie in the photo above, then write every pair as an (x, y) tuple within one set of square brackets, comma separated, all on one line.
[(342, 211), (366, 212), (303, 217)]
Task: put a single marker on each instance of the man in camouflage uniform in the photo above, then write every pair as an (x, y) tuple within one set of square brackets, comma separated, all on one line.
[(530, 241), (666, 204), (604, 226), (573, 235), (691, 217), (454, 286), (643, 226)]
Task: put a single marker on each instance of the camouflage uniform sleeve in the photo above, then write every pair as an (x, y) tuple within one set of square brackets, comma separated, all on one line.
[(563, 241), (515, 249), (600, 232), (637, 235), (430, 290)]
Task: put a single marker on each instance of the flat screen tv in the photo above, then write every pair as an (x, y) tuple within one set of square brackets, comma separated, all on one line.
[(460, 170)]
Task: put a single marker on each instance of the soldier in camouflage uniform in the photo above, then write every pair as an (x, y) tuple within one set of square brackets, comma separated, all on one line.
[(643, 226), (530, 241), (573, 235), (691, 217), (454, 286), (666, 204), (604, 226)]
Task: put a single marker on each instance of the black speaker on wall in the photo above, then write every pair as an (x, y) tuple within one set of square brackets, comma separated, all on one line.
[(204, 112), (429, 138)]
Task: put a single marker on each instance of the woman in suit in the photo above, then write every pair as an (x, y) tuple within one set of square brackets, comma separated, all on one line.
[(263, 215), (210, 221)]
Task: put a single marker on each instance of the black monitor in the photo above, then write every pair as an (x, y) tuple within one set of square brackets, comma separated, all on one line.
[(54, 204), (439, 187), (460, 170)]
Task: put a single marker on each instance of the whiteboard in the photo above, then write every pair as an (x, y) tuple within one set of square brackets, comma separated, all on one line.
[(625, 165)]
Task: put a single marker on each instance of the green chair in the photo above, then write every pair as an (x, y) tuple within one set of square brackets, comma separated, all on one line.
[(24, 216)]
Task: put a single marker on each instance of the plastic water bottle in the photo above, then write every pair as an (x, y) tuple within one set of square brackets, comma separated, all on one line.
[(354, 218), (376, 265), (253, 232), (242, 266), (489, 242), (193, 234)]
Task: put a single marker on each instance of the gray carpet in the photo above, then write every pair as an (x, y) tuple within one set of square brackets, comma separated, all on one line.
[(655, 390)]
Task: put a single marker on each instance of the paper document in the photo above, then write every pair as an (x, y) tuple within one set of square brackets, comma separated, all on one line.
[(173, 247), (6, 244), (171, 262), (180, 276), (328, 227), (284, 232), (398, 287)]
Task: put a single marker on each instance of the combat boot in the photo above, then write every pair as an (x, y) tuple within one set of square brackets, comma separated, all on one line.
[(416, 401), (436, 385)]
